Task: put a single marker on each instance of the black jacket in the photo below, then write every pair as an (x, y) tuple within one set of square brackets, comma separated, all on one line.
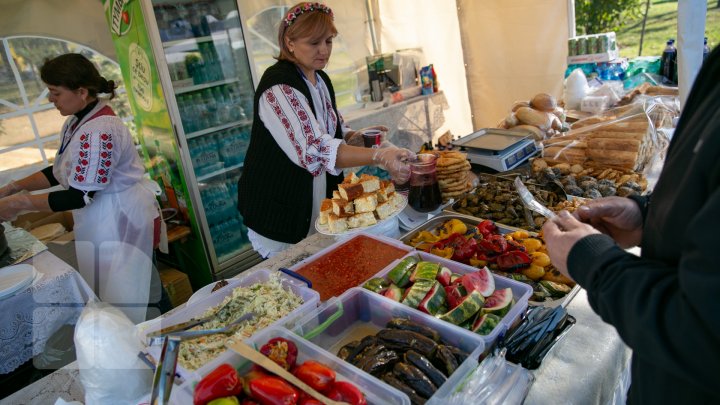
[(666, 304), (274, 194)]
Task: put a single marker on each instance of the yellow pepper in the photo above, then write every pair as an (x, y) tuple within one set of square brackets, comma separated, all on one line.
[(477, 262), (452, 226), (445, 253), (424, 236)]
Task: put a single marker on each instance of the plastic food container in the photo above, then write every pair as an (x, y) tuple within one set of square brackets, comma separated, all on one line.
[(310, 302), (330, 280), (359, 312), (521, 293), (375, 391), (435, 222)]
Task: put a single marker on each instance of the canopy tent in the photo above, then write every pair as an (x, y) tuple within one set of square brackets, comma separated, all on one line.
[(487, 54)]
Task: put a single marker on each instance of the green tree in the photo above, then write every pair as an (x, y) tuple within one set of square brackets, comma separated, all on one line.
[(596, 16)]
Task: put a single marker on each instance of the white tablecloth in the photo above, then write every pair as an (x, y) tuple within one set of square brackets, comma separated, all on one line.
[(31, 316)]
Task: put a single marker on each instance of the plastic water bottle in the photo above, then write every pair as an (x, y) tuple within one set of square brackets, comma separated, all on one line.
[(706, 50), (668, 62)]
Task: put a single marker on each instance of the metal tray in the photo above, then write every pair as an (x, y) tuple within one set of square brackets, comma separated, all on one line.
[(434, 222)]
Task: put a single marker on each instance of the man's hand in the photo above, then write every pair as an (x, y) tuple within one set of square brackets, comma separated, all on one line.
[(560, 234), (618, 217)]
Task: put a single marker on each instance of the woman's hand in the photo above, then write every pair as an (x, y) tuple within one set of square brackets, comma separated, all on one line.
[(618, 217), (355, 138), (9, 189), (560, 234), (396, 161), (20, 203)]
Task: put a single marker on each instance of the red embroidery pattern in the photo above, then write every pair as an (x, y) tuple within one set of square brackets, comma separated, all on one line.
[(83, 159), (106, 146)]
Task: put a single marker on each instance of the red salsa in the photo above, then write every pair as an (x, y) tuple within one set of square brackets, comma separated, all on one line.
[(350, 265)]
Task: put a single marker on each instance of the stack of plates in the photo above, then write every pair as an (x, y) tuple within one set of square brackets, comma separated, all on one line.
[(15, 278)]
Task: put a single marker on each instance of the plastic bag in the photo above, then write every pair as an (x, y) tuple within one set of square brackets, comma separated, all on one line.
[(576, 88), (107, 353), (619, 146)]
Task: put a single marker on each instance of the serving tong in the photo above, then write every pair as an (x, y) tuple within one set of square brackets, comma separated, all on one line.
[(171, 338)]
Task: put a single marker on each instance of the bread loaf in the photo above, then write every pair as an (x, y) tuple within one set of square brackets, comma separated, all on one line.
[(543, 102), (350, 191), (527, 115), (565, 154), (613, 144), (326, 207), (537, 134), (620, 158)]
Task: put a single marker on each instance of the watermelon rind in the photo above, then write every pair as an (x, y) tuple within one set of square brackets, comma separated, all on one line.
[(393, 292), (485, 323), (499, 303), (435, 300), (425, 271), (400, 274), (465, 309), (482, 280), (417, 292)]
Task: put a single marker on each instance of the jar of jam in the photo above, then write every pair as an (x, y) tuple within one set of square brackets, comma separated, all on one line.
[(424, 194)]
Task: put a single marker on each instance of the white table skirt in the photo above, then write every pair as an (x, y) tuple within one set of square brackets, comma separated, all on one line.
[(31, 316)]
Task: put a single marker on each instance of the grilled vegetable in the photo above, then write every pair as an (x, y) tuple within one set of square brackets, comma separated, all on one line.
[(445, 360), (406, 324), (273, 391), (415, 379), (346, 392), (381, 362), (404, 388), (344, 351), (404, 340), (366, 342), (319, 376), (424, 365), (460, 355), (368, 355), (281, 351)]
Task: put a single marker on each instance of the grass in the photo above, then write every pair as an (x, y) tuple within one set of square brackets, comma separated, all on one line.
[(661, 25)]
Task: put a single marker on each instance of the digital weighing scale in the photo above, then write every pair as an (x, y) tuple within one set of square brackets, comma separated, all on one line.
[(499, 149)]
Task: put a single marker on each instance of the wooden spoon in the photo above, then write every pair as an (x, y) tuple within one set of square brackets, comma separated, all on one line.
[(258, 358)]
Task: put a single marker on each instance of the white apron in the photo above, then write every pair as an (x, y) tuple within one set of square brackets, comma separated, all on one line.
[(114, 231)]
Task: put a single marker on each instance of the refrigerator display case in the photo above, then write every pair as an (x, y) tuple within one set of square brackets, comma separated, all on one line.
[(201, 77)]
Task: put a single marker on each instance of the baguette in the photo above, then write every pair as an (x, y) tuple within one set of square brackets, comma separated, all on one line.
[(613, 144), (527, 115), (565, 155), (617, 135), (614, 157)]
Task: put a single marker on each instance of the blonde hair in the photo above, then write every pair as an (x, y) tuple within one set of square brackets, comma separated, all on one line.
[(314, 24)]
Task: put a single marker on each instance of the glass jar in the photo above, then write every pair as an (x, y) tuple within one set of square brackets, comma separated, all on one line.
[(424, 194)]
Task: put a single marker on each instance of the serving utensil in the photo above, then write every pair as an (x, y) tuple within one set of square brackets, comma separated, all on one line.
[(529, 200), (258, 358)]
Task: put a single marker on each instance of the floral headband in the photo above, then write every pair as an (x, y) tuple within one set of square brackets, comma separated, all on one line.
[(306, 8)]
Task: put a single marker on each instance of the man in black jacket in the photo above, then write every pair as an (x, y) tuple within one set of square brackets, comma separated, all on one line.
[(665, 304)]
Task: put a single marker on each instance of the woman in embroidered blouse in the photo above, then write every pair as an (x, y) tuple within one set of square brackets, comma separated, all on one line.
[(114, 207), (299, 143)]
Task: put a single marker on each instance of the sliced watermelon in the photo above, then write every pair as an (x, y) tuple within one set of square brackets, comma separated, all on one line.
[(465, 309), (416, 292), (376, 284), (499, 303), (393, 292), (455, 278), (481, 281), (455, 294), (425, 270), (435, 300), (400, 274), (444, 276), (485, 323)]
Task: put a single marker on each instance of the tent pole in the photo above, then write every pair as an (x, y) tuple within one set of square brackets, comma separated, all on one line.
[(371, 26), (571, 18)]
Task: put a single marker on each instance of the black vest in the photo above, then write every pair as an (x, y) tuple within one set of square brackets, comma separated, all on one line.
[(274, 194)]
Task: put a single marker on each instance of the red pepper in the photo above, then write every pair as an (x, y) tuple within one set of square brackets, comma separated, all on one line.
[(513, 261), (224, 381), (464, 252), (513, 246), (487, 228), (306, 399), (251, 375), (316, 375), (453, 241), (248, 401), (281, 351), (346, 392), (493, 245), (273, 391)]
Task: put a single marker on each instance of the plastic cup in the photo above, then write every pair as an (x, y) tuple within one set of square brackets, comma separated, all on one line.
[(372, 138)]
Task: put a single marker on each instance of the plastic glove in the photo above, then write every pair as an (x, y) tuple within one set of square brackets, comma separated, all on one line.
[(396, 161), (355, 138), (9, 189), (16, 204)]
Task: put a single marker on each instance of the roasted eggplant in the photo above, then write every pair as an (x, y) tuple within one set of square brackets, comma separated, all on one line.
[(404, 340), (445, 360), (423, 364), (460, 355), (404, 388), (381, 362), (345, 351), (406, 324), (366, 342), (415, 379)]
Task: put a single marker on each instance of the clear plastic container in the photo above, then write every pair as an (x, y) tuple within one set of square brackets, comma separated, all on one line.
[(521, 293), (375, 392), (358, 313), (332, 250), (310, 302)]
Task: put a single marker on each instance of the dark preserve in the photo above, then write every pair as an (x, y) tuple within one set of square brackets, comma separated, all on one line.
[(424, 198)]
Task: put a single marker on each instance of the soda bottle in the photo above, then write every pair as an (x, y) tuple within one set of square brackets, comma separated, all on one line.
[(668, 62)]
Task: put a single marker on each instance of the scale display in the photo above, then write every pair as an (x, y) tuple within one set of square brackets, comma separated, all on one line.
[(499, 149)]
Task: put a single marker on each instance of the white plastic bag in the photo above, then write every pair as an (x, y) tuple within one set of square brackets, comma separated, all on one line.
[(107, 353), (576, 88)]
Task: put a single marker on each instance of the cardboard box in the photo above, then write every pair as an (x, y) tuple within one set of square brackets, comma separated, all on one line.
[(33, 220), (177, 285)]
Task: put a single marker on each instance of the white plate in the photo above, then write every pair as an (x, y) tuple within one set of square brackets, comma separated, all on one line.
[(325, 229), (204, 292), (15, 278)]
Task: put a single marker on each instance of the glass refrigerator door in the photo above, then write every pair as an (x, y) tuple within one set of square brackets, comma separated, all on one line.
[(207, 62)]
